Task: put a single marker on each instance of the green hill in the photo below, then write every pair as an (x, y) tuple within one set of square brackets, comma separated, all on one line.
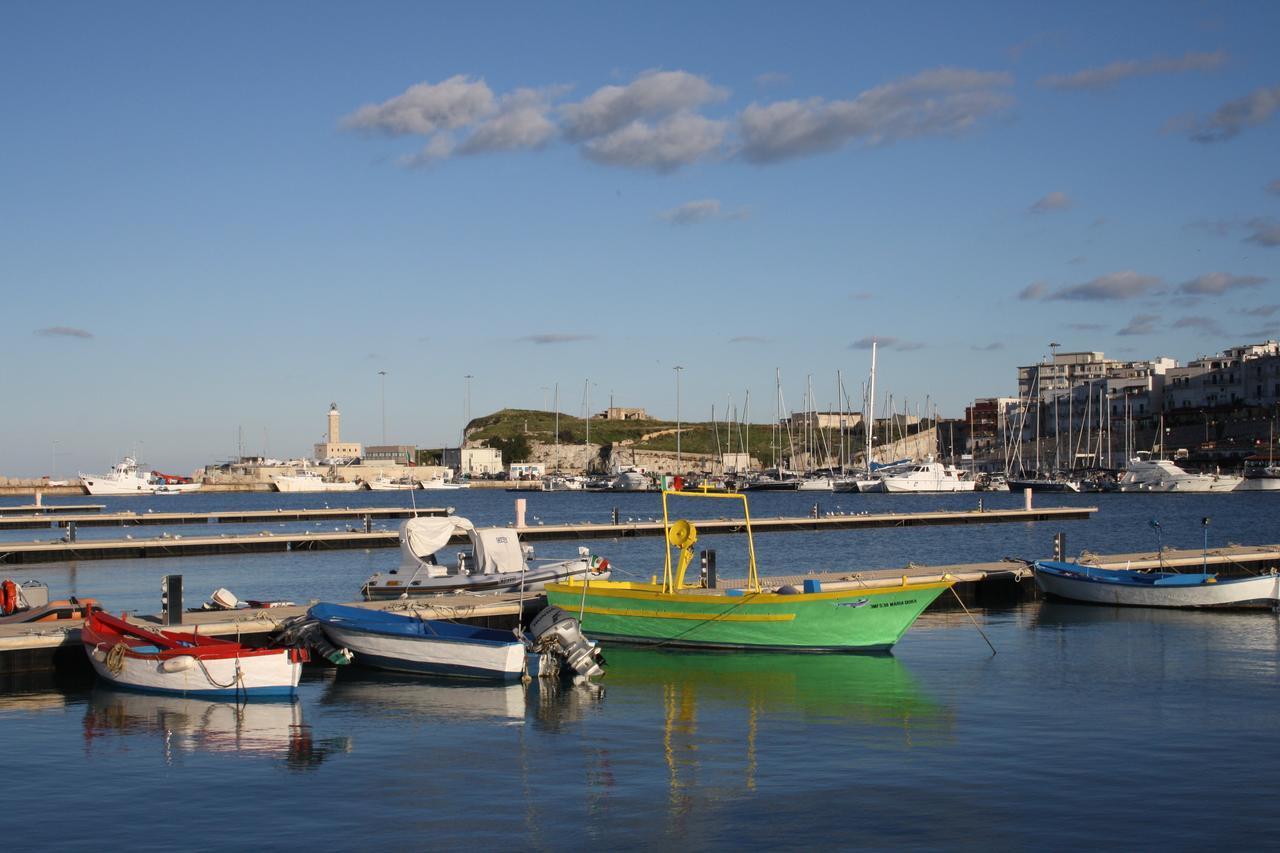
[(540, 426)]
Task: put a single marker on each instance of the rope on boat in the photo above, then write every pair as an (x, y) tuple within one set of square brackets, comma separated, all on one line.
[(971, 619), (114, 661)]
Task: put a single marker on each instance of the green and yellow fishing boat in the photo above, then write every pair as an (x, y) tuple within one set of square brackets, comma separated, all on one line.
[(674, 613)]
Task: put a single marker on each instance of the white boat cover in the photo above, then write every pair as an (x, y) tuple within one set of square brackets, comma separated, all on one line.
[(422, 537), (497, 549)]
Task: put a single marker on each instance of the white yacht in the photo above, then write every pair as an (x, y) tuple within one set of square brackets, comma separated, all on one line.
[(310, 481), (440, 484), (631, 480), (1145, 474), (928, 476), (124, 479)]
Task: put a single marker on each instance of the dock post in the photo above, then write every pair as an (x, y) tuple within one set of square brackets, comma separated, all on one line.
[(709, 568), (368, 523), (615, 515), (1059, 546), (39, 495), (979, 504), (521, 504), (71, 531), (1026, 498), (171, 599)]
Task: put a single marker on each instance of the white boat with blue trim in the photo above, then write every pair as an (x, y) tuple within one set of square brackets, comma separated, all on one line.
[(402, 642), (1134, 588)]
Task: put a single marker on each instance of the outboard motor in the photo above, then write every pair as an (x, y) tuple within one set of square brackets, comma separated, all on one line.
[(305, 633), (556, 631)]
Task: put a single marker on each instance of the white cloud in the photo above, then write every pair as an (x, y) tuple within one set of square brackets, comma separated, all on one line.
[(886, 343), (425, 108), (1266, 232), (937, 102), (556, 338), (1117, 285), (521, 121), (1141, 324), (651, 95), (63, 332), (1033, 291), (1106, 76), (1204, 324), (1053, 201), (1231, 118), (703, 210), (1217, 283), (676, 141)]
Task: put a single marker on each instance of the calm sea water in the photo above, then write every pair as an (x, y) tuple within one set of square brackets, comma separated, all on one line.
[(1091, 727)]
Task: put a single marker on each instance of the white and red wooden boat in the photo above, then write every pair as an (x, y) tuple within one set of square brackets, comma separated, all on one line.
[(160, 661)]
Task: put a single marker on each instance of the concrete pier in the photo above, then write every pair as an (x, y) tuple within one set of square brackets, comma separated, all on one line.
[(255, 516)]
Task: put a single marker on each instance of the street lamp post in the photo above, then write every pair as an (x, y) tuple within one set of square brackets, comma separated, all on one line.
[(466, 412), (678, 369), (383, 374)]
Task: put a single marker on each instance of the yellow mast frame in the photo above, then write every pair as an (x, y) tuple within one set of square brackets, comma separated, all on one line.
[(671, 583)]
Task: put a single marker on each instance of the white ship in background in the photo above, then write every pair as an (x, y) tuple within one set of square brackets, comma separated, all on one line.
[(1145, 474), (310, 481), (123, 479)]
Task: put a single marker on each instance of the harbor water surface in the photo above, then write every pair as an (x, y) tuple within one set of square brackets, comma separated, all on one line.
[(1091, 727)]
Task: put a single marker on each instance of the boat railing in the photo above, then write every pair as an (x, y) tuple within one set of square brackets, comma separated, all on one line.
[(673, 581)]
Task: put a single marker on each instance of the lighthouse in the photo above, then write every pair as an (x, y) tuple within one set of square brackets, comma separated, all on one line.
[(335, 417), (333, 451)]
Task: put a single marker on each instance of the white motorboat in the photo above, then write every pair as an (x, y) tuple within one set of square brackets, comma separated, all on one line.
[(440, 484), (631, 480), (816, 484), (1145, 474), (397, 484), (497, 562), (310, 481), (928, 476), (124, 479)]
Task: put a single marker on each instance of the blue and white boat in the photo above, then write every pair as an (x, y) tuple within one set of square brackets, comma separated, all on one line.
[(1133, 588), (409, 643)]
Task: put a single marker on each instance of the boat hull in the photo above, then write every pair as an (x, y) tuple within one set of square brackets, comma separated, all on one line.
[(865, 620), (1109, 587), (307, 484), (275, 675), (490, 654), (1259, 484), (894, 484)]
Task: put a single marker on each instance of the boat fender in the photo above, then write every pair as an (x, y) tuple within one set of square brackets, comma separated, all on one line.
[(99, 654), (8, 597), (181, 663)]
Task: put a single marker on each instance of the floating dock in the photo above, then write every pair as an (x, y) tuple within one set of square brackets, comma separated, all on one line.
[(46, 509), (254, 516), (182, 545), (47, 646)]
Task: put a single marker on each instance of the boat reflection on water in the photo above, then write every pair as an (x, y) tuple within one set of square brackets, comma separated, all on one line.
[(446, 700), (871, 699), (1237, 631), (186, 725)]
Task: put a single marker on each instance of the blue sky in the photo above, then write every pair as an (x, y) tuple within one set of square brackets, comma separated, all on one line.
[(227, 216)]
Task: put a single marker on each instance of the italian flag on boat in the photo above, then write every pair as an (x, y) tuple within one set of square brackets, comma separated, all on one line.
[(679, 614)]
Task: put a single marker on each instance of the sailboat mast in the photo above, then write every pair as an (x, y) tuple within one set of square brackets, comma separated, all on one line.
[(871, 407)]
